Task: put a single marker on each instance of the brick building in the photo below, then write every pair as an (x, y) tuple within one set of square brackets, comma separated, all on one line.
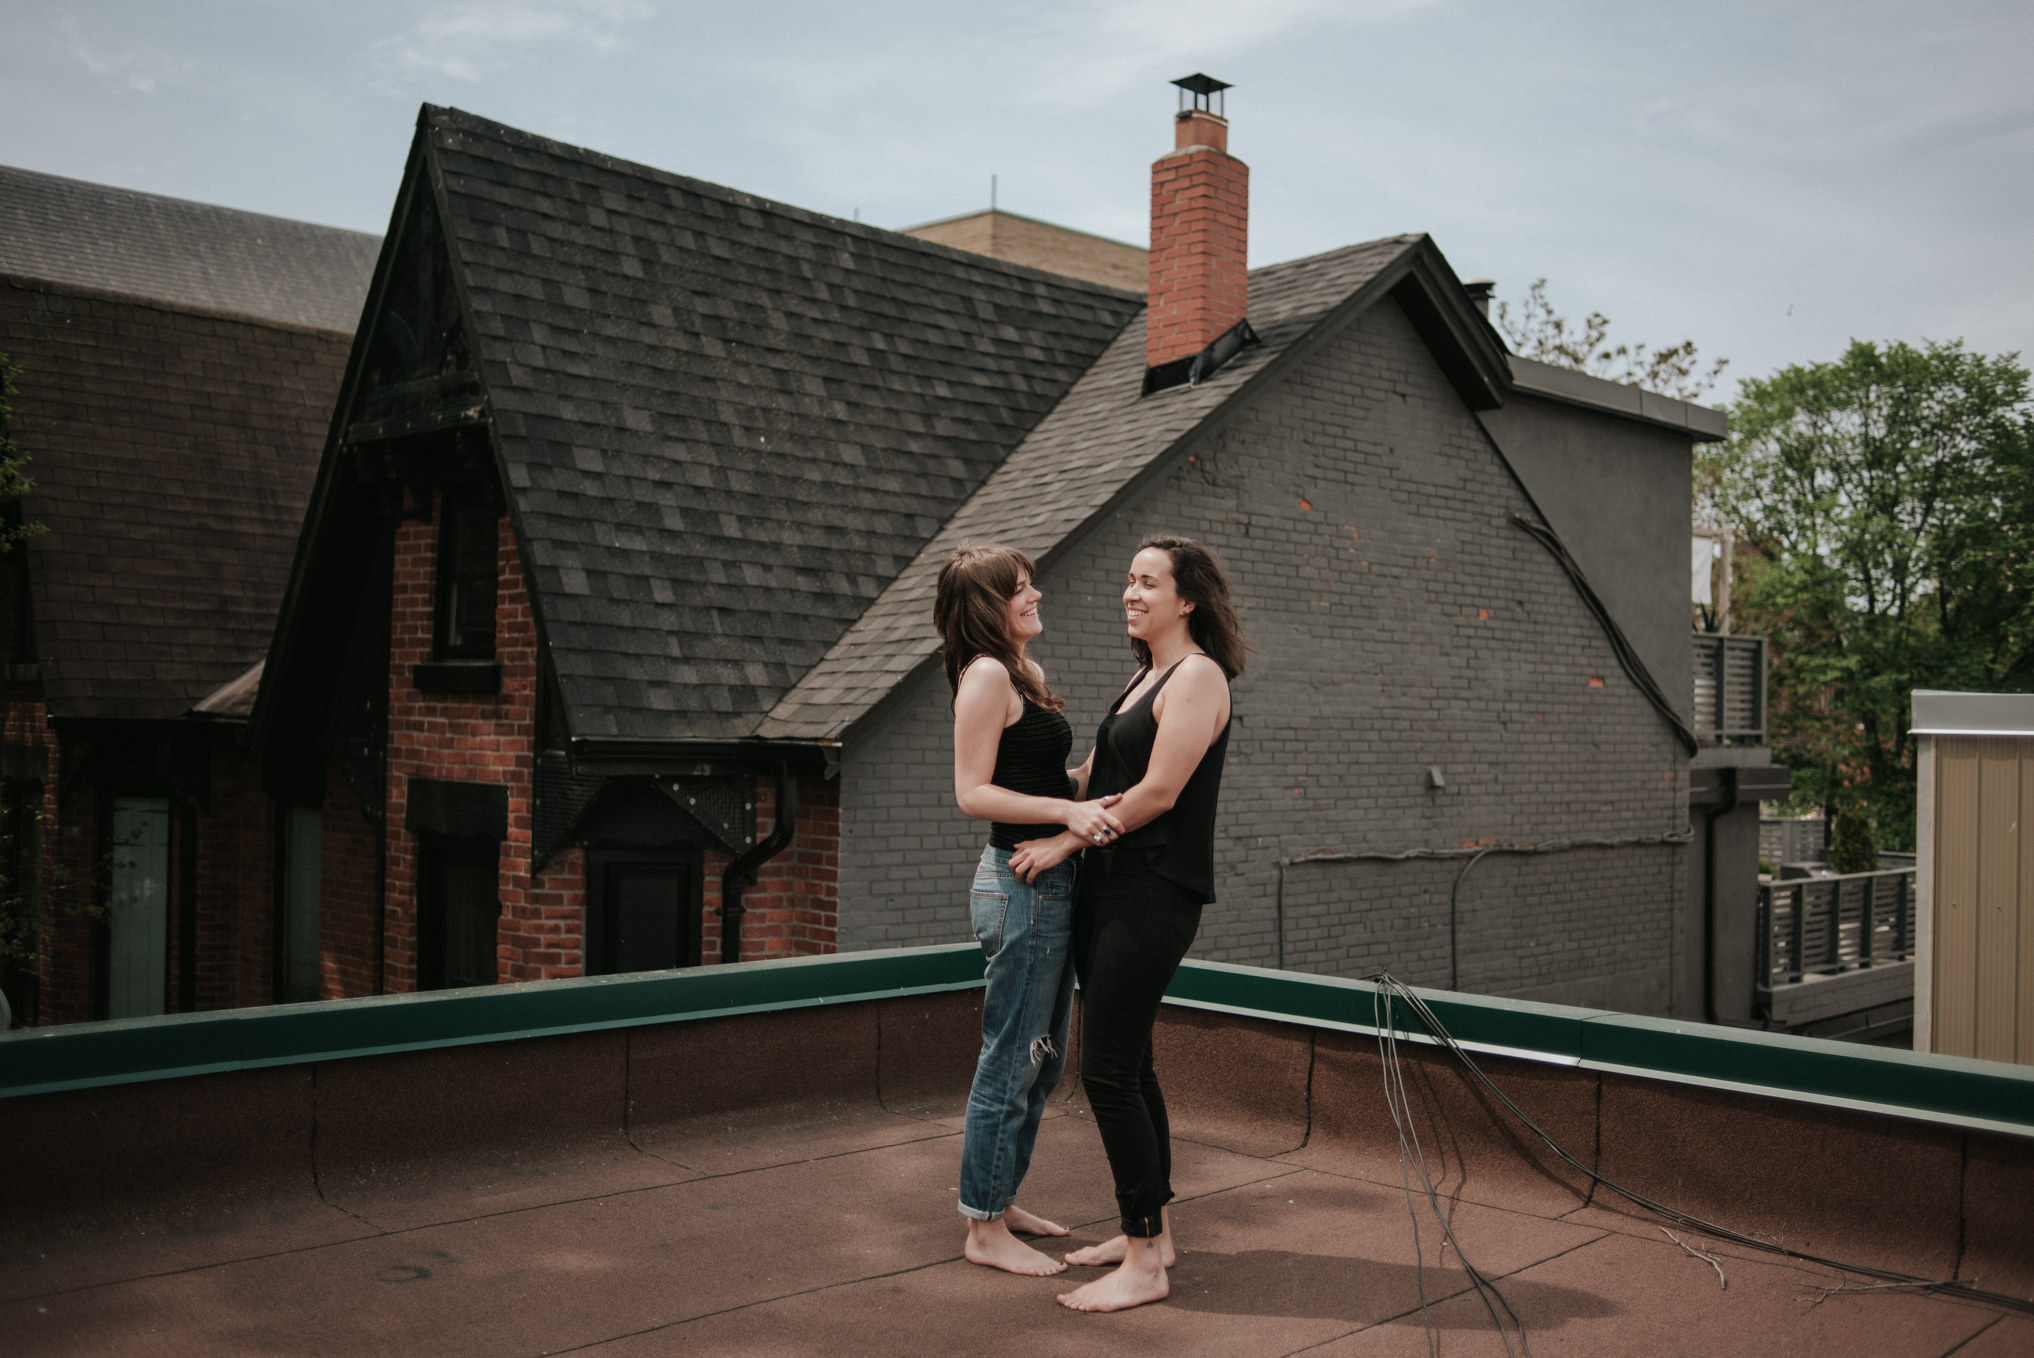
[(607, 645), (176, 366)]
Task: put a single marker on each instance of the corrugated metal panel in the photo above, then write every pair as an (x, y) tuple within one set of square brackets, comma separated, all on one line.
[(1956, 895), (2023, 992), (1998, 903), (1982, 977)]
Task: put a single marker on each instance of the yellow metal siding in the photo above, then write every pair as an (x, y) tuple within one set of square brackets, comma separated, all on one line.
[(1983, 899), (1956, 889)]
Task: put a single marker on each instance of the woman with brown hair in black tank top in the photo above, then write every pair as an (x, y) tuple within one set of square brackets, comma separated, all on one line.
[(1010, 744), (1162, 747)]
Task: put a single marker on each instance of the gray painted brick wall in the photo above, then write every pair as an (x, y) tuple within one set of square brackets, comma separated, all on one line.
[(1402, 622)]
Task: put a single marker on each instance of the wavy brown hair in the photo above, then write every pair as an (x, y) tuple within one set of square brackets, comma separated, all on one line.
[(1198, 576), (971, 610)]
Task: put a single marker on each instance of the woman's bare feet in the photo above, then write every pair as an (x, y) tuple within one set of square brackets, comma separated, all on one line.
[(991, 1245), (1139, 1279), (1017, 1219), (1111, 1251)]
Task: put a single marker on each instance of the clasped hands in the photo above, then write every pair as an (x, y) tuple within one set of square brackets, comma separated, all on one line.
[(1089, 823)]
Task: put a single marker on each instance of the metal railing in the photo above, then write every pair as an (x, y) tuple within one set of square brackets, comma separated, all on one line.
[(1730, 688), (1820, 925)]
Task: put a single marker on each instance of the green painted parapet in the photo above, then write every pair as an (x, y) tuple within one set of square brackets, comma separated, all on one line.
[(1933, 1088), (1985, 1094), (78, 1056)]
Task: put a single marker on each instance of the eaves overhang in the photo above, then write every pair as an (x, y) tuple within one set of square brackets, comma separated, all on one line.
[(1700, 423)]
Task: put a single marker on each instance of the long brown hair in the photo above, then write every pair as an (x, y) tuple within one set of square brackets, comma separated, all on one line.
[(971, 610), (1198, 576)]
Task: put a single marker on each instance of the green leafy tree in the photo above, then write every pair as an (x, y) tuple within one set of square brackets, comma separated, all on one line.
[(14, 482), (1884, 505), (1536, 331), (1852, 846)]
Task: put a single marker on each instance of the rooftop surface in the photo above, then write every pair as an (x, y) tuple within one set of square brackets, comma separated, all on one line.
[(783, 1183)]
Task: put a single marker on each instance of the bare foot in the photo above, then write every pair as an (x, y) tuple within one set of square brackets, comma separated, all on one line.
[(1017, 1219), (1111, 1251), (991, 1245), (1134, 1283)]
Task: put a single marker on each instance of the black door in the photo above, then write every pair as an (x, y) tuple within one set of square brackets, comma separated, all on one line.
[(458, 912), (645, 913)]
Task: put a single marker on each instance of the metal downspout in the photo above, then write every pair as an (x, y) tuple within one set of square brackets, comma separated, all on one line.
[(744, 867), (1728, 775)]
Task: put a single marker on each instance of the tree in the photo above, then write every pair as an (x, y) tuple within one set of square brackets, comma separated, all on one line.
[(14, 482), (1538, 332), (1885, 503)]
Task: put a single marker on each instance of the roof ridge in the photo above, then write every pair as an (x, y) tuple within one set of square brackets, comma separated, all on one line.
[(438, 114), (95, 185)]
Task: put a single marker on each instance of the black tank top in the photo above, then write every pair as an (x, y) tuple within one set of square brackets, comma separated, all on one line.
[(1031, 759), (1180, 844)]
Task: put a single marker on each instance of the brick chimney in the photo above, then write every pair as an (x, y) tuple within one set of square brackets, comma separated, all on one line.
[(1200, 218)]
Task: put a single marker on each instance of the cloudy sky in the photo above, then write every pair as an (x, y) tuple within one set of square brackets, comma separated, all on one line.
[(1768, 179)]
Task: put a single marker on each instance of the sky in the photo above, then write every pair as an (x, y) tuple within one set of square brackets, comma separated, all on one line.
[(1767, 179)]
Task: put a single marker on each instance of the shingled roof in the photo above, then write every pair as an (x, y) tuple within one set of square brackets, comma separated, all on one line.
[(173, 451), (94, 235), (738, 437), (1094, 450), (726, 425)]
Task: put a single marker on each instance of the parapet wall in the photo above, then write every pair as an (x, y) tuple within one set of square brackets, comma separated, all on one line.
[(491, 1084)]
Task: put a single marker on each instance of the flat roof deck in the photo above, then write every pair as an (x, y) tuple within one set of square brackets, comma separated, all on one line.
[(783, 1184)]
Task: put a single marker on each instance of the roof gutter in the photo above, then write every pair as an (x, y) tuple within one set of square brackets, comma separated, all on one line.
[(743, 869), (620, 755)]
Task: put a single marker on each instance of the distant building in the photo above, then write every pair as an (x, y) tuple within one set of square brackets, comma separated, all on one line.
[(177, 366), (1041, 245)]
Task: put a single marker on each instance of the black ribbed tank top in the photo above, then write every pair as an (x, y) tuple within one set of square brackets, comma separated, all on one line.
[(1180, 844), (1031, 759)]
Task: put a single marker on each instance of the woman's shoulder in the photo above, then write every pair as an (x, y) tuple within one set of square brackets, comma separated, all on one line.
[(986, 671), (1201, 670)]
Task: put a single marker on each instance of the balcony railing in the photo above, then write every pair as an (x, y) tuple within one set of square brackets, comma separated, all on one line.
[(1730, 689), (1821, 925)]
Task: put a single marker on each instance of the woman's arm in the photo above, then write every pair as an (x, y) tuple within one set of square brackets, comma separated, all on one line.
[(1080, 775), (981, 709)]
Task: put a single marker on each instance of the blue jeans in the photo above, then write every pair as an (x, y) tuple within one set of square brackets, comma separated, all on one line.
[(1026, 933)]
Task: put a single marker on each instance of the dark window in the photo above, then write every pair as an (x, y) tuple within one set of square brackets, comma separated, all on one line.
[(458, 910), (643, 911), (466, 577), (300, 835)]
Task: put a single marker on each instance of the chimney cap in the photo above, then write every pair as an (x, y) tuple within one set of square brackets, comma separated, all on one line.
[(1203, 88)]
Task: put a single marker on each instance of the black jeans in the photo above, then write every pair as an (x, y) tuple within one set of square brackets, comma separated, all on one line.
[(1131, 928)]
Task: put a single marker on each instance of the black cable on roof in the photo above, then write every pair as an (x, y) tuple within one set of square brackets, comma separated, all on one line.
[(1951, 1287)]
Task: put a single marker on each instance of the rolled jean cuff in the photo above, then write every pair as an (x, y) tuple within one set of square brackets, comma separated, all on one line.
[(977, 1214), (1141, 1228)]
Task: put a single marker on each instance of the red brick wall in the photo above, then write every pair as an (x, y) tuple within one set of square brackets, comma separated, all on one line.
[(472, 738), (64, 976), (1200, 218), (793, 910)]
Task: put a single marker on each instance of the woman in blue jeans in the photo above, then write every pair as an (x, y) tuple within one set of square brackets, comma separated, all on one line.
[(1010, 745), (1161, 747)]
